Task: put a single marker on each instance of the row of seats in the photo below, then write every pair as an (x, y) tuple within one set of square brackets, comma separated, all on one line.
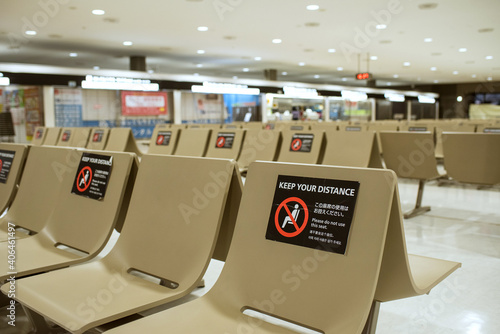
[(175, 213)]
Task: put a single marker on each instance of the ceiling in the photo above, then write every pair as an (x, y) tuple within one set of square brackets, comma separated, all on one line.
[(240, 30)]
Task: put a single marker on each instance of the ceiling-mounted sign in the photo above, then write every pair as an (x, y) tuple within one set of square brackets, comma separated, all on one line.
[(92, 176), (363, 76), (312, 212), (144, 103)]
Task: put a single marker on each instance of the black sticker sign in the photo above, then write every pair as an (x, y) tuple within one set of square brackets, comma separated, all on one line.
[(6, 158), (353, 128), (163, 138), (38, 133), (97, 137), (301, 142), (417, 129), (491, 130), (225, 140), (92, 176), (312, 212), (65, 136)]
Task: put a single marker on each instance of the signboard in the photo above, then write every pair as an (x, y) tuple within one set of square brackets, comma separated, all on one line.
[(92, 176), (97, 137), (312, 212), (417, 129), (68, 107), (163, 138), (6, 158), (353, 128), (66, 135), (144, 103), (224, 140), (363, 76), (491, 130), (301, 142)]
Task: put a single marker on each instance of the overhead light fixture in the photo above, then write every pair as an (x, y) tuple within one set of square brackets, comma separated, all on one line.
[(284, 73), (381, 26), (257, 58), (459, 99), (462, 50), (455, 72), (344, 79), (406, 63), (426, 99), (340, 68), (246, 69), (277, 41), (128, 43), (300, 92), (224, 88), (235, 77), (302, 64), (354, 95), (427, 40), (395, 76), (73, 54), (433, 68), (4, 81), (97, 68), (473, 75), (332, 50), (436, 81), (316, 76), (489, 78), (30, 32), (199, 65), (196, 74), (200, 52), (116, 83), (373, 58), (393, 97), (202, 28), (312, 7), (488, 57), (98, 12)]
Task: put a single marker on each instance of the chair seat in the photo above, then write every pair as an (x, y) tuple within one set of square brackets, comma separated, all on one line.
[(428, 272)]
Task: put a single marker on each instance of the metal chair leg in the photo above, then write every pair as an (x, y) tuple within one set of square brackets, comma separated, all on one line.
[(371, 322), (418, 210)]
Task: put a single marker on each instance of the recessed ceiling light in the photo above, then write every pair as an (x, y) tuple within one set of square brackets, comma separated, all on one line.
[(381, 26), (455, 72), (462, 50), (316, 76), (433, 68), (332, 50), (373, 57), (395, 76), (98, 12), (473, 75), (199, 65), (196, 74), (489, 57), (128, 43), (277, 41), (406, 63), (97, 68), (284, 73), (73, 54), (302, 64), (312, 7), (151, 71), (202, 28), (257, 58), (235, 77), (200, 52), (344, 79), (427, 40), (30, 32), (459, 99), (436, 81), (246, 69), (340, 68), (389, 83), (489, 78), (429, 5)]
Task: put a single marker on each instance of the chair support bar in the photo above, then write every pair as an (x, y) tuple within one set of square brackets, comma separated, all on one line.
[(371, 322), (418, 210)]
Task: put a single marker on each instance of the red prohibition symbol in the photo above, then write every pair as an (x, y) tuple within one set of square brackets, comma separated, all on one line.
[(221, 141), (1, 164), (159, 140), (291, 217), (296, 144), (84, 178), (96, 137)]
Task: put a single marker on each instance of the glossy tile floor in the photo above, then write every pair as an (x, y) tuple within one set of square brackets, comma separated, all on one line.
[(463, 226)]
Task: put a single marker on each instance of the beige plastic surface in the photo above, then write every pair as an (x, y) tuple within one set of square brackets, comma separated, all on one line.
[(410, 154), (76, 137), (328, 292), (94, 142), (193, 142), (259, 145), (157, 238), (472, 157), (122, 140), (382, 126), (253, 126), (169, 149), (450, 127), (78, 222), (52, 136), (39, 136), (8, 189), (214, 151), (352, 149), (325, 126), (404, 275), (38, 190), (312, 157)]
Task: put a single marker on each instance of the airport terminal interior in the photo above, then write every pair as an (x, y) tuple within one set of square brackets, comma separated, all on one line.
[(250, 167)]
